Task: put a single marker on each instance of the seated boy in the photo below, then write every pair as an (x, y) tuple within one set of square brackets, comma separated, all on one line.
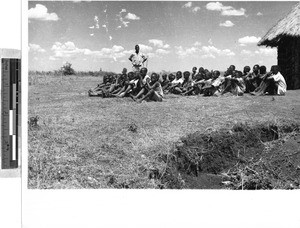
[(213, 84), (129, 85), (176, 83), (108, 80), (120, 82), (246, 71), (171, 78), (141, 88), (165, 80), (155, 92), (273, 83), (252, 80), (234, 84)]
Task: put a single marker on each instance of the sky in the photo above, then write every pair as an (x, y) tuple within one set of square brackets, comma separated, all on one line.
[(174, 35)]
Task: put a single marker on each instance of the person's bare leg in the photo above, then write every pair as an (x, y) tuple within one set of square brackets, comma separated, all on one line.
[(120, 91), (112, 88), (138, 95), (188, 92), (149, 94), (126, 91)]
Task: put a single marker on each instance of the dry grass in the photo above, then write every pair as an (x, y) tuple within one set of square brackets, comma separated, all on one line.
[(84, 142)]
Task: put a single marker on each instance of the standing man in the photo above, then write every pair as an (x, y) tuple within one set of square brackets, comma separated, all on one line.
[(137, 59)]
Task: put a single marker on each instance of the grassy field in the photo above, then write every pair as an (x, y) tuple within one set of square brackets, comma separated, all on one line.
[(86, 142)]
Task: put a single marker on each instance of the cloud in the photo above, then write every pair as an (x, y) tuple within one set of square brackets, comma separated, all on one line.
[(91, 34), (247, 52), (234, 12), (158, 43), (196, 9), (96, 20), (125, 23), (187, 5), (162, 51), (203, 52), (248, 40), (217, 6), (267, 51), (225, 10), (226, 24), (197, 43), (259, 14), (67, 49), (92, 27), (210, 41), (36, 48), (40, 12), (121, 19), (52, 58), (131, 16), (145, 48), (182, 53), (211, 52)]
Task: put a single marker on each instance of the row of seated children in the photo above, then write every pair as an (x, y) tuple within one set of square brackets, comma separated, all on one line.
[(137, 85), (208, 83)]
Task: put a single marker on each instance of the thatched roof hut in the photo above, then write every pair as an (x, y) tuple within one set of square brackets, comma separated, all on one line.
[(286, 36)]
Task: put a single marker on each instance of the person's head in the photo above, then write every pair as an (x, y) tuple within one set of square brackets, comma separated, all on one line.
[(201, 70), (143, 71), (255, 69), (232, 67), (137, 48), (186, 75), (194, 70), (178, 75), (154, 77), (124, 71), (216, 73), (171, 77), (275, 69), (238, 74), (208, 75), (262, 70), (137, 75), (229, 70), (112, 78), (131, 75), (246, 69), (164, 77), (106, 78)]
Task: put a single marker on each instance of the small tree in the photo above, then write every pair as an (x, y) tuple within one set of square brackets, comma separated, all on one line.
[(67, 69)]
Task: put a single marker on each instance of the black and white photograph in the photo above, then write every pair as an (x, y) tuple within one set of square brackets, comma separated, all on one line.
[(163, 95)]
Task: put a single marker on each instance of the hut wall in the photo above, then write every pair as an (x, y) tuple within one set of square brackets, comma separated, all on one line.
[(289, 61)]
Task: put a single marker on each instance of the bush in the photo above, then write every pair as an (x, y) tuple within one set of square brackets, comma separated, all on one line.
[(67, 69)]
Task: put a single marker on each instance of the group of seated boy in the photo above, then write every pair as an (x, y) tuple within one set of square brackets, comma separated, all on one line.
[(140, 86)]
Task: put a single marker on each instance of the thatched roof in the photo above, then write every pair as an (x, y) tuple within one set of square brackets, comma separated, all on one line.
[(288, 26)]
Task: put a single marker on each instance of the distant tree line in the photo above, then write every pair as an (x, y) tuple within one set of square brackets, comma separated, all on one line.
[(67, 69)]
